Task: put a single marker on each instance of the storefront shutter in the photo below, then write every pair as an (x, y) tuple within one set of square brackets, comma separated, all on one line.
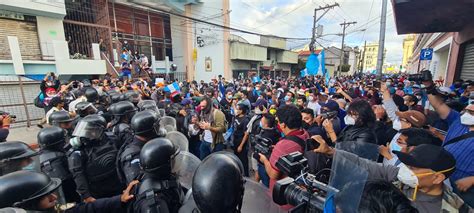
[(467, 69)]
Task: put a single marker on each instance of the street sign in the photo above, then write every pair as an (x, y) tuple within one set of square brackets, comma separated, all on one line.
[(426, 54)]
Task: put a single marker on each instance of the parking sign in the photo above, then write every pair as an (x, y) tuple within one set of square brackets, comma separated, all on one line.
[(426, 54)]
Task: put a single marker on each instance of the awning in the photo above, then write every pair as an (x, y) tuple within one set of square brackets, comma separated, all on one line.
[(430, 16)]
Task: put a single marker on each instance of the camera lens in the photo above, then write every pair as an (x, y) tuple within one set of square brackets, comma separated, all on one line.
[(296, 195)]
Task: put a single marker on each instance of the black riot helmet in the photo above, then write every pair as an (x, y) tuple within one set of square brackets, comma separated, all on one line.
[(219, 174), (122, 108), (92, 95), (59, 117), (90, 127), (146, 123), (133, 97), (85, 108), (24, 189), (156, 157), (15, 150), (51, 137)]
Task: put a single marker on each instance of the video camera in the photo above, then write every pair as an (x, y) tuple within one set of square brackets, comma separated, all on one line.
[(262, 146), (329, 115), (5, 114), (300, 189), (425, 75)]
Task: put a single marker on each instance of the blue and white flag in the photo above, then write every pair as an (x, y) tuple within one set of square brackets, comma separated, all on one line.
[(312, 64), (256, 79), (322, 63), (304, 73), (172, 87)]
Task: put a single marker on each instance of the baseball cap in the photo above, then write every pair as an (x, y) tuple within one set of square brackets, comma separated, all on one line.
[(331, 105), (416, 118), (186, 101), (260, 102), (429, 156)]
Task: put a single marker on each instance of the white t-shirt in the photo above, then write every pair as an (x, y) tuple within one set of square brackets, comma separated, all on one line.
[(315, 107), (54, 109), (207, 136)]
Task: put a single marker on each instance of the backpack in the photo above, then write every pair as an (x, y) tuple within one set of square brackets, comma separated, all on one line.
[(318, 164), (54, 164), (38, 101)]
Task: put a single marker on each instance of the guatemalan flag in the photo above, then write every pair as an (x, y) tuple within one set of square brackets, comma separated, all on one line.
[(322, 63), (172, 88), (312, 64), (304, 73), (256, 79)]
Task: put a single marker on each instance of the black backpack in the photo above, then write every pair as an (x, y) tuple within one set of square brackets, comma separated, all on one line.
[(54, 164), (318, 164)]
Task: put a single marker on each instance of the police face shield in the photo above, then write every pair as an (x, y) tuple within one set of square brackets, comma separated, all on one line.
[(88, 130), (184, 165), (168, 123), (178, 139), (257, 199)]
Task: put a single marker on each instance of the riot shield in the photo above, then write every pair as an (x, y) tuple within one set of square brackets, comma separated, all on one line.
[(184, 166), (162, 112), (257, 198), (348, 177), (362, 149), (178, 139), (168, 121)]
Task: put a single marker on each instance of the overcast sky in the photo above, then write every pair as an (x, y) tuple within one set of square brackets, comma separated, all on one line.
[(294, 18)]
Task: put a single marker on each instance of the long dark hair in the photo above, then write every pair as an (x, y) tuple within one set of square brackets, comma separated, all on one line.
[(366, 116)]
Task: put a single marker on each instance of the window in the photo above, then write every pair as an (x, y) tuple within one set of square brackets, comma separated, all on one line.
[(268, 54)]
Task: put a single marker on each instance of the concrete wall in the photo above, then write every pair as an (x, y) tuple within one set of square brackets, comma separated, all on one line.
[(54, 9), (240, 65), (49, 30), (273, 42), (287, 57), (178, 35)]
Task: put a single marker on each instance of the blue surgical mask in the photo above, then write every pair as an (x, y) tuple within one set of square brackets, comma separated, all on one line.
[(29, 167), (287, 98), (395, 147)]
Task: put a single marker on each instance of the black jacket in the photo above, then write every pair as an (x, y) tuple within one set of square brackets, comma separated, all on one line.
[(355, 133)]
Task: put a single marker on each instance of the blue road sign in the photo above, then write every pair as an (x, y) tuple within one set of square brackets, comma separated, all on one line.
[(426, 54)]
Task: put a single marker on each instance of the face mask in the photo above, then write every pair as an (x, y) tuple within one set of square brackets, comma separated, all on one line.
[(310, 98), (29, 167), (349, 120), (407, 177), (388, 84), (229, 97), (287, 98), (395, 147), (75, 142), (260, 124), (397, 125), (467, 119)]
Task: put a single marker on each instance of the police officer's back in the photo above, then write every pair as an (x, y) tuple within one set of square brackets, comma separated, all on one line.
[(159, 189), (146, 126), (92, 160), (53, 160), (122, 112)]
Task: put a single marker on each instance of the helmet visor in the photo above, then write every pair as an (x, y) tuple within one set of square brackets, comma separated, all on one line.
[(88, 130)]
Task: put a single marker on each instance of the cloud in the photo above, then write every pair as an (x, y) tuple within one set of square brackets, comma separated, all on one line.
[(293, 18)]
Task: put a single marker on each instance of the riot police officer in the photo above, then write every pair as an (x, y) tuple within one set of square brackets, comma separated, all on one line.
[(63, 120), (14, 156), (53, 160), (218, 185), (123, 112), (92, 160), (146, 126), (159, 189), (84, 109), (93, 97), (35, 191)]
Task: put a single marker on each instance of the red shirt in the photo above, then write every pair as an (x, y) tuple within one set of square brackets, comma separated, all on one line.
[(284, 147)]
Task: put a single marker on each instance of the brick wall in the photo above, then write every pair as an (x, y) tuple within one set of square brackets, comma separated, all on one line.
[(27, 37)]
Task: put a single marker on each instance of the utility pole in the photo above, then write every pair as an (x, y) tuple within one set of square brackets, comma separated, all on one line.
[(383, 22), (316, 19), (363, 58), (344, 26)]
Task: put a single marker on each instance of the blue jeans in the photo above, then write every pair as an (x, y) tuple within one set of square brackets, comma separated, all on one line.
[(263, 174), (205, 149)]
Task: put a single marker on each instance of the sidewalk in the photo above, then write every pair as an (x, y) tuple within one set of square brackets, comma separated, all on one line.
[(24, 134)]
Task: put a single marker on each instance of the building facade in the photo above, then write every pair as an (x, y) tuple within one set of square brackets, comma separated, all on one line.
[(408, 44)]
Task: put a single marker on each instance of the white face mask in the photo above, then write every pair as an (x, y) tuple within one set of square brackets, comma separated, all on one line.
[(349, 120), (397, 125), (310, 98), (407, 177), (467, 119)]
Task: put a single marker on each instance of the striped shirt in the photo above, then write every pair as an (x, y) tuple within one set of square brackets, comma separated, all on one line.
[(463, 151)]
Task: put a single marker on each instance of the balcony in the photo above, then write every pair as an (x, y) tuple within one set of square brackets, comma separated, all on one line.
[(249, 52)]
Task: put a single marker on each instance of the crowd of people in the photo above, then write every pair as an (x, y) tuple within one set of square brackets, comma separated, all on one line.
[(105, 142)]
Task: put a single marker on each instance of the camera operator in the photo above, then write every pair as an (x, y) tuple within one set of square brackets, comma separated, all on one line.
[(422, 176), (268, 131), (459, 140), (289, 122), (5, 121)]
